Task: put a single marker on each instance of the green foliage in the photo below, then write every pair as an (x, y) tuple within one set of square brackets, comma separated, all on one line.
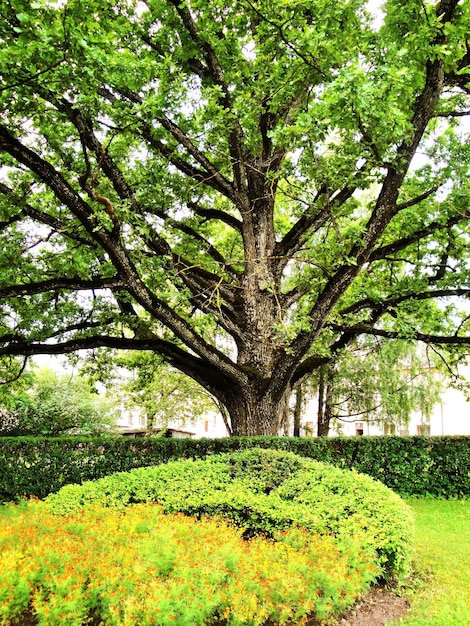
[(381, 381), (233, 186), (34, 466), (262, 471), (50, 405), (143, 381), (146, 567), (312, 495), (351, 504), (419, 466)]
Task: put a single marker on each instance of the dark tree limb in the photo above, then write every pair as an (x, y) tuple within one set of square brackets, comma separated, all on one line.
[(41, 217), (401, 244), (364, 329), (389, 303), (235, 131), (193, 366), (216, 214), (55, 284)]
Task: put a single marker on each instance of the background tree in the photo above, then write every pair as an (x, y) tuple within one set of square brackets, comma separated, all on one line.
[(376, 381), (51, 405), (174, 173), (143, 381)]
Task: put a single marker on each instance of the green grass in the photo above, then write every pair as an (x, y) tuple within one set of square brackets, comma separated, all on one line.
[(440, 595)]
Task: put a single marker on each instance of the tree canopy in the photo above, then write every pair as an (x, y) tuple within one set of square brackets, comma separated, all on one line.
[(143, 381), (242, 188)]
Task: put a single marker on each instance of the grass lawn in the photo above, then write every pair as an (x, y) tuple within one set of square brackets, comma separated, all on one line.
[(441, 594)]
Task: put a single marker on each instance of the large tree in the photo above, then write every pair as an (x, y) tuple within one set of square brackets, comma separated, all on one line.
[(233, 185)]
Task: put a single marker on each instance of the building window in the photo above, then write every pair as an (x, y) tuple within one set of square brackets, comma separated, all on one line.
[(359, 428), (423, 430), (206, 426), (389, 429)]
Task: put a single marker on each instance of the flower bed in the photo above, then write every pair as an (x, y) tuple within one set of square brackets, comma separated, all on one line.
[(257, 537)]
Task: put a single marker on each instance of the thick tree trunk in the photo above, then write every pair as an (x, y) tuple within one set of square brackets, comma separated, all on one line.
[(255, 413)]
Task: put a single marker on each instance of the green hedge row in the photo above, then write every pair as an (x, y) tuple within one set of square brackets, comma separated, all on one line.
[(416, 466)]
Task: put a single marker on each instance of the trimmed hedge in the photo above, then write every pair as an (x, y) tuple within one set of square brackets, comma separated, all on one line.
[(411, 466), (264, 492)]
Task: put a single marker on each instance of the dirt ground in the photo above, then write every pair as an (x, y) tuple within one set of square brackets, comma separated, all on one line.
[(377, 608)]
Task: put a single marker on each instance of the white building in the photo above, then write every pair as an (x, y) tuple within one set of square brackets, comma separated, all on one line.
[(451, 416), (210, 425)]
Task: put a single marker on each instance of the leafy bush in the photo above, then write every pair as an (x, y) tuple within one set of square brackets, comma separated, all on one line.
[(263, 471), (51, 405), (264, 492), (37, 466), (347, 504), (411, 466), (141, 566)]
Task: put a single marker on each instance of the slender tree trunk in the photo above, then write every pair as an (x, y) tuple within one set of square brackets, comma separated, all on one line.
[(149, 429), (299, 397), (325, 398)]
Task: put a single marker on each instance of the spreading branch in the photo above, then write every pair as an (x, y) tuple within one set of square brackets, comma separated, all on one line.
[(364, 329)]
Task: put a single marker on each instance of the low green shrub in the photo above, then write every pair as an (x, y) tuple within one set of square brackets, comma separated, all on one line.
[(265, 492), (348, 503), (38, 466)]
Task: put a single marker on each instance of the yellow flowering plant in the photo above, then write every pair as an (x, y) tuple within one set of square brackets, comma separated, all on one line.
[(141, 566)]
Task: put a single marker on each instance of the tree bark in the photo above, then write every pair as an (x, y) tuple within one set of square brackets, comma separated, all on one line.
[(254, 413), (298, 409), (325, 397)]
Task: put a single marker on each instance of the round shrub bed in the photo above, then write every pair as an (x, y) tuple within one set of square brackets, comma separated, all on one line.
[(139, 565), (265, 492)]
